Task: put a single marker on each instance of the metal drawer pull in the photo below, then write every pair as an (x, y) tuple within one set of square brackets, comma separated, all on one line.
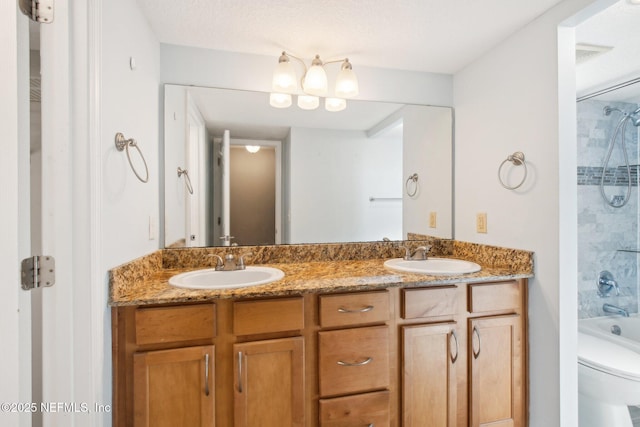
[(455, 338), (364, 362), (206, 374), (362, 310), (477, 334), (239, 372)]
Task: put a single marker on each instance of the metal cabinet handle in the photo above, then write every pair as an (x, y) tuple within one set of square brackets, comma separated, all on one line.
[(477, 334), (206, 374), (455, 340), (362, 310), (239, 372), (364, 362)]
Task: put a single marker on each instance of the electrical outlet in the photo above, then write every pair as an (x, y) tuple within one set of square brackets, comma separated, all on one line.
[(432, 220), (481, 222)]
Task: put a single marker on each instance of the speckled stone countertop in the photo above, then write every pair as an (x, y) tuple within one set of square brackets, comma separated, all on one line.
[(321, 268)]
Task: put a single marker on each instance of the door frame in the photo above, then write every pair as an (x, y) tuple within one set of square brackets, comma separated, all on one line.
[(15, 329)]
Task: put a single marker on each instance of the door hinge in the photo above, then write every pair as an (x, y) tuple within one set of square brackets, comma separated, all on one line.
[(38, 271), (37, 10)]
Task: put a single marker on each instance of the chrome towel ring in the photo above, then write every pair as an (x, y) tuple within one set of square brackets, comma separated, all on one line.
[(187, 180), (516, 159), (413, 178), (123, 144)]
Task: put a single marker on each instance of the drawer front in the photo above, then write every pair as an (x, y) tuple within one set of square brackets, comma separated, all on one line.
[(485, 297), (429, 302), (354, 309), (368, 409), (156, 325), (353, 360), (266, 316)]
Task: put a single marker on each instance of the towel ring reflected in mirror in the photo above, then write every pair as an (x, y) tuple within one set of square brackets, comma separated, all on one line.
[(187, 180), (413, 178), (517, 159), (123, 144)]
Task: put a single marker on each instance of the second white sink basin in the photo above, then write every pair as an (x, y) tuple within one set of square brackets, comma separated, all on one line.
[(211, 279), (433, 266)]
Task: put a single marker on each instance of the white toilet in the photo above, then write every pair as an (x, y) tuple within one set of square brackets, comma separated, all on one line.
[(608, 382)]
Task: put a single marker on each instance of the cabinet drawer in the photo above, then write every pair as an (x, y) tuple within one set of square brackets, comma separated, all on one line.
[(175, 324), (494, 296), (265, 316), (429, 302), (354, 309), (353, 360), (369, 409)]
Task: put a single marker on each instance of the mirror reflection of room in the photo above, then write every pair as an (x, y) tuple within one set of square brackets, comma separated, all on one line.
[(262, 175)]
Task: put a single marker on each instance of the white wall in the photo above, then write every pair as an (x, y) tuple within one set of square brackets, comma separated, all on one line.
[(508, 100), (130, 104), (175, 111), (205, 67), (332, 175)]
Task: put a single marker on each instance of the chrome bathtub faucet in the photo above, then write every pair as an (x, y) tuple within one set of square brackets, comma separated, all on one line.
[(614, 309)]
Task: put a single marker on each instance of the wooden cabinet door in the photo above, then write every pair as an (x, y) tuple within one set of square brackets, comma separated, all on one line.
[(174, 388), (429, 382), (496, 374), (269, 383)]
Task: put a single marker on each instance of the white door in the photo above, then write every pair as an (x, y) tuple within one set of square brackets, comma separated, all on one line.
[(196, 216), (15, 357)]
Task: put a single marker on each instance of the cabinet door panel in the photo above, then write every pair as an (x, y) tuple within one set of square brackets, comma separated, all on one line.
[(174, 388), (496, 372), (429, 387), (269, 383)]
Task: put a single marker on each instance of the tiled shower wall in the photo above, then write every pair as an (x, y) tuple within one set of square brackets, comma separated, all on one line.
[(604, 230)]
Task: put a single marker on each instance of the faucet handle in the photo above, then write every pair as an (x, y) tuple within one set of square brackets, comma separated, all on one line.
[(219, 261), (407, 252), (241, 264)]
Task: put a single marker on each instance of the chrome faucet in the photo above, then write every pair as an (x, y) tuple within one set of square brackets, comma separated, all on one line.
[(231, 262), (610, 308), (606, 283), (420, 253)]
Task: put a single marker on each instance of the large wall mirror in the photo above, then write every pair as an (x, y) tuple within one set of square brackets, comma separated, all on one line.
[(240, 172)]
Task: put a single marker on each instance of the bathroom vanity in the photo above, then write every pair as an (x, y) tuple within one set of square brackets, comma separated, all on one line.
[(335, 343)]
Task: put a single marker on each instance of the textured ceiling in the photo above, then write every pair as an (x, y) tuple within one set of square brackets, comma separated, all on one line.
[(423, 35), (617, 27)]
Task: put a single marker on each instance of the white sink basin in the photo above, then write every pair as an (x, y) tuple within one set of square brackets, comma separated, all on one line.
[(433, 266), (211, 279)]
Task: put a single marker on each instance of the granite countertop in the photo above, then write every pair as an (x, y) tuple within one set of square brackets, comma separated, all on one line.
[(145, 281)]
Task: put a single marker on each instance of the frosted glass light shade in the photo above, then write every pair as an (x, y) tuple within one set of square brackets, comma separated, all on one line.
[(280, 100), (315, 81), (252, 148), (346, 83), (284, 78), (335, 104), (307, 102)]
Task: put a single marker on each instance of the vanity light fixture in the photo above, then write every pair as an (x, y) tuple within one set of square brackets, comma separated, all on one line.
[(313, 84)]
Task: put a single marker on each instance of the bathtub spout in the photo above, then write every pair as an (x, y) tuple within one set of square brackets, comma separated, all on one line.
[(610, 308)]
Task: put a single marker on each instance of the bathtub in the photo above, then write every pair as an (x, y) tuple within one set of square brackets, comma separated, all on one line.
[(604, 327), (608, 370)]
